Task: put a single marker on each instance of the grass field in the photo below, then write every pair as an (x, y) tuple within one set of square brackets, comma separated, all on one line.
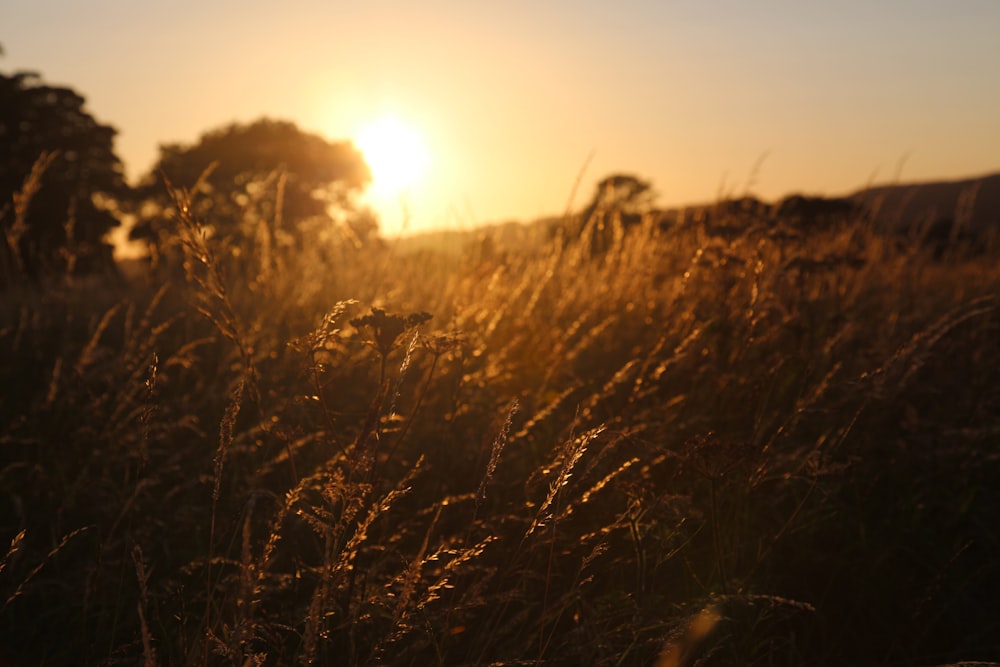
[(688, 449)]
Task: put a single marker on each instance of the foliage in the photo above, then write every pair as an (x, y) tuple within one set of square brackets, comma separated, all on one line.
[(246, 174), (619, 202), (760, 449), (59, 179), (625, 193)]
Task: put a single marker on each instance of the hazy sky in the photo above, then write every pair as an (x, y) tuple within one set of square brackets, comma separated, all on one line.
[(512, 97)]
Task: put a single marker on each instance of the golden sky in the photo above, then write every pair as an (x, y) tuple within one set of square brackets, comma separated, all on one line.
[(512, 99)]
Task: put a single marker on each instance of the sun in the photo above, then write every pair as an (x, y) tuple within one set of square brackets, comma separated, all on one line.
[(395, 153)]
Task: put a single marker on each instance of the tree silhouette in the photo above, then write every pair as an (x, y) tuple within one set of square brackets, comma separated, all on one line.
[(624, 194), (619, 202), (59, 181), (243, 176)]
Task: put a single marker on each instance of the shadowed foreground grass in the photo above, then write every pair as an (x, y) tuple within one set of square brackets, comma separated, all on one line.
[(773, 449)]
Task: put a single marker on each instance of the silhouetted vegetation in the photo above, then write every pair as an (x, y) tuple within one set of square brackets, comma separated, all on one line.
[(59, 182), (264, 177), (713, 439)]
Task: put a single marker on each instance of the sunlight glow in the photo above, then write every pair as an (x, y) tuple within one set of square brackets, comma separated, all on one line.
[(395, 153)]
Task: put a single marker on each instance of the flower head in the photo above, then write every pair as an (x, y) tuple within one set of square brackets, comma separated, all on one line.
[(386, 328)]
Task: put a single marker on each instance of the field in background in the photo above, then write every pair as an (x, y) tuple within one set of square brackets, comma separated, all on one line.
[(774, 446)]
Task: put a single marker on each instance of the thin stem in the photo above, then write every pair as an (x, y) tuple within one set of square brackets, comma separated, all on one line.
[(717, 539), (416, 409)]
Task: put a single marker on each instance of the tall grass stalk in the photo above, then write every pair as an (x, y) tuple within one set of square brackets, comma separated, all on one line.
[(722, 440)]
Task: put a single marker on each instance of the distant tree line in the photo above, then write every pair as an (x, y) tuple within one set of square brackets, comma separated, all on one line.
[(622, 202), (945, 218)]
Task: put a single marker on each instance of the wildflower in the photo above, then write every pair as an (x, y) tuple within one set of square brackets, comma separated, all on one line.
[(386, 328), (440, 343)]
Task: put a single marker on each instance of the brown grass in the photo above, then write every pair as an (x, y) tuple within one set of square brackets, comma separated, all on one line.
[(762, 448)]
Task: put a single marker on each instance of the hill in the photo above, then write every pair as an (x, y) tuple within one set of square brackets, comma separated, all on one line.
[(972, 203)]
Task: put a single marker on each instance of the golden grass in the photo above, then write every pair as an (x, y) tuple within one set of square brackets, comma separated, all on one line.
[(762, 448)]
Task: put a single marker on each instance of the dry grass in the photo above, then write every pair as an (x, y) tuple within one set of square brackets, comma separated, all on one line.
[(772, 448)]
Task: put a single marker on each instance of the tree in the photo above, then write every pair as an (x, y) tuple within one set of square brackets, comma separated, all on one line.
[(59, 180), (618, 203), (624, 194), (245, 176)]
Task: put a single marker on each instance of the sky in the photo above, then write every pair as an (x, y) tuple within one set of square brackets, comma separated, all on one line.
[(522, 106)]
